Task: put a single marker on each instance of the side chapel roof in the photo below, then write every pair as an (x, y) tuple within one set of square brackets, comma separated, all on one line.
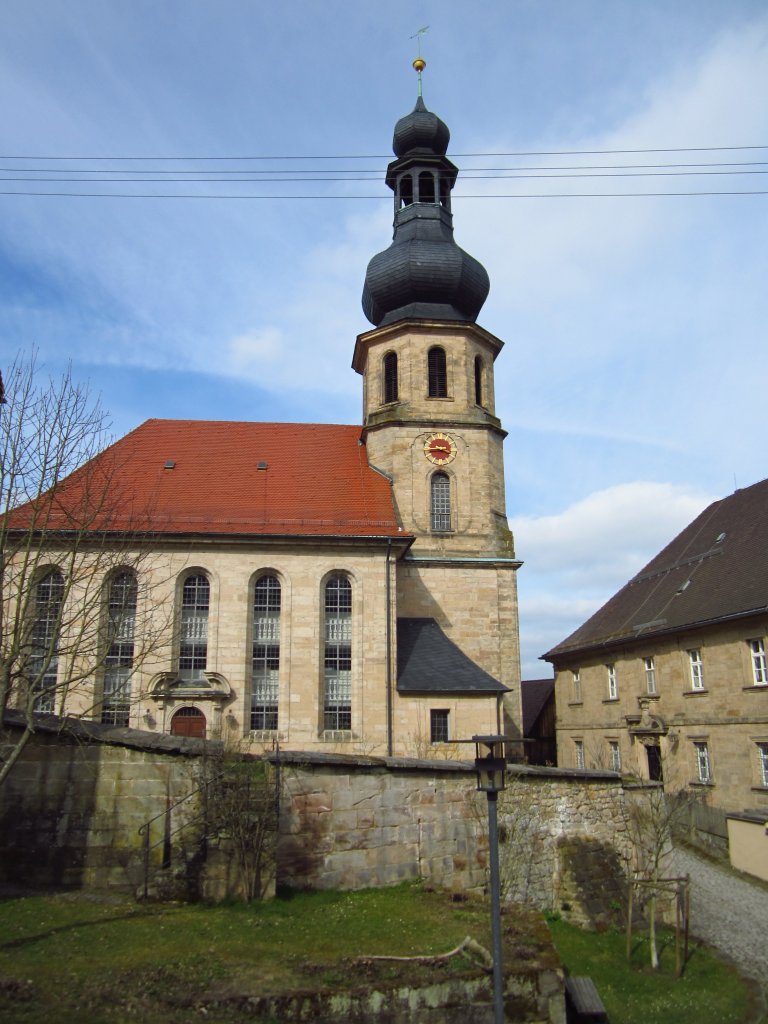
[(235, 478), (715, 570), (429, 662)]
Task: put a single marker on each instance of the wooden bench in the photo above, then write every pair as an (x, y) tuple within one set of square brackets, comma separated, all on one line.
[(586, 1004)]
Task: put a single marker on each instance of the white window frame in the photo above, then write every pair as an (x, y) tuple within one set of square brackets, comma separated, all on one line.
[(615, 753), (577, 686), (762, 763), (578, 747), (759, 662), (613, 686), (697, 668), (650, 675), (703, 761)]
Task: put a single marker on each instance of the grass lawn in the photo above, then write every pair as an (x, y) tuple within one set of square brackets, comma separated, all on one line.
[(82, 959), (74, 958), (709, 992)]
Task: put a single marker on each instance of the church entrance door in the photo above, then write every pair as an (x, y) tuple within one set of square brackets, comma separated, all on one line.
[(188, 722)]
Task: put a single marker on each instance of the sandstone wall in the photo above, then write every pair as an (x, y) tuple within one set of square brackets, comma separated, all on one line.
[(71, 810)]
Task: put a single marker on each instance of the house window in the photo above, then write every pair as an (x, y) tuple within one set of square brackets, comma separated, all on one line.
[(478, 380), (441, 503), (650, 675), (759, 668), (438, 726), (265, 666), (703, 765), (437, 374), (390, 377), (613, 688), (121, 631), (578, 752), (697, 669), (762, 763), (44, 659), (577, 686), (193, 648), (615, 755), (337, 704)]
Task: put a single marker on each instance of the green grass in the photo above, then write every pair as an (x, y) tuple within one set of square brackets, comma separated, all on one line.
[(72, 959), (709, 992)]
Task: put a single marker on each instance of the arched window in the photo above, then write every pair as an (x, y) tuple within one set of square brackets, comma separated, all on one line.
[(266, 653), (478, 380), (441, 503), (390, 377), (437, 375), (406, 190), (337, 699), (121, 631), (193, 648), (46, 625), (445, 193), (426, 187)]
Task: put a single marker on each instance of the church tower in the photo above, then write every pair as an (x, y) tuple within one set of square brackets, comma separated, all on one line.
[(429, 412)]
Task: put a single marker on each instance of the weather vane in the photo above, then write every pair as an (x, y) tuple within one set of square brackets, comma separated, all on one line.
[(419, 64)]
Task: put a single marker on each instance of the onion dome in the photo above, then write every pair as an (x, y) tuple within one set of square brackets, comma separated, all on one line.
[(421, 131), (423, 274)]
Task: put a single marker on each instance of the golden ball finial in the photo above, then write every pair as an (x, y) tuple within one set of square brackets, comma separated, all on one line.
[(419, 64)]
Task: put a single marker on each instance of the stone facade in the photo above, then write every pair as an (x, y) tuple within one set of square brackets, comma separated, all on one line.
[(689, 706)]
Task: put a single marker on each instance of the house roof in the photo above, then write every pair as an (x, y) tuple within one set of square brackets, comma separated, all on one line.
[(429, 662), (715, 570), (230, 478), (534, 694)]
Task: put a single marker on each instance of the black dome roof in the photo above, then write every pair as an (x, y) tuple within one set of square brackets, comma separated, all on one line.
[(423, 274), (421, 130)]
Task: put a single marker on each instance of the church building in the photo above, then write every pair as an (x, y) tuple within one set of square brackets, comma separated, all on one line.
[(348, 588)]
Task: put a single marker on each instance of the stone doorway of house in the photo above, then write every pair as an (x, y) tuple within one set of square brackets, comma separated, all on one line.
[(655, 769), (188, 722)]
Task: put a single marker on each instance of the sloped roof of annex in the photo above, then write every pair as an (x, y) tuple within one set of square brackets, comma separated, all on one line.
[(714, 571)]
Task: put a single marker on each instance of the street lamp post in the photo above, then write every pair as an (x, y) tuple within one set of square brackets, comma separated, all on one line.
[(490, 765)]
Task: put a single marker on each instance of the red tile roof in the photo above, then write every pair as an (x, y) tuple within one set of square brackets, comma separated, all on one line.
[(315, 481)]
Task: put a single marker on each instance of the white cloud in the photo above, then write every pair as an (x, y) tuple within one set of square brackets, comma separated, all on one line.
[(578, 558)]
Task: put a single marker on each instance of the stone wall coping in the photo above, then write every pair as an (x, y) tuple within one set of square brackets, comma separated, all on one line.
[(83, 730), (756, 816)]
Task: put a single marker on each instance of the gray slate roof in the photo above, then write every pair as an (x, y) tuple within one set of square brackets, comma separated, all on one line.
[(715, 570), (428, 662), (534, 694)]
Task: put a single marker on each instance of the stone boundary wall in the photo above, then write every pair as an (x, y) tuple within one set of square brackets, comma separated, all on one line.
[(71, 809)]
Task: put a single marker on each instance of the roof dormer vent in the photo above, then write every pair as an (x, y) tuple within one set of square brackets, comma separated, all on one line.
[(261, 465), (169, 464)]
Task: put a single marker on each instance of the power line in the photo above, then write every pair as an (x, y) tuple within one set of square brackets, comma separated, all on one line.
[(466, 177), (508, 195), (388, 156)]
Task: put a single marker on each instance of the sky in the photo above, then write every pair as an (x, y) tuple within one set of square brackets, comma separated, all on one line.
[(632, 381)]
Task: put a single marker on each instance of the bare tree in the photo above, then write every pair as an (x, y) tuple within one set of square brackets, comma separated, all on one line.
[(653, 817), (76, 618)]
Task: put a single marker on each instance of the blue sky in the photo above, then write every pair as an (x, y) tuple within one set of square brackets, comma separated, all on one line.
[(632, 382)]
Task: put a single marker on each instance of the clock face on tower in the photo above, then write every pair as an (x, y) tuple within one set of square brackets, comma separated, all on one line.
[(440, 449)]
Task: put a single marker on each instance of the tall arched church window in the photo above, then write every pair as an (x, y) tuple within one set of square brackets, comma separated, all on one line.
[(193, 648), (337, 700), (437, 374), (441, 503), (121, 631), (478, 380), (266, 653), (46, 626), (390, 377)]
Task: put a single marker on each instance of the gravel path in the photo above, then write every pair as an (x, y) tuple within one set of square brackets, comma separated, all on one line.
[(729, 912)]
